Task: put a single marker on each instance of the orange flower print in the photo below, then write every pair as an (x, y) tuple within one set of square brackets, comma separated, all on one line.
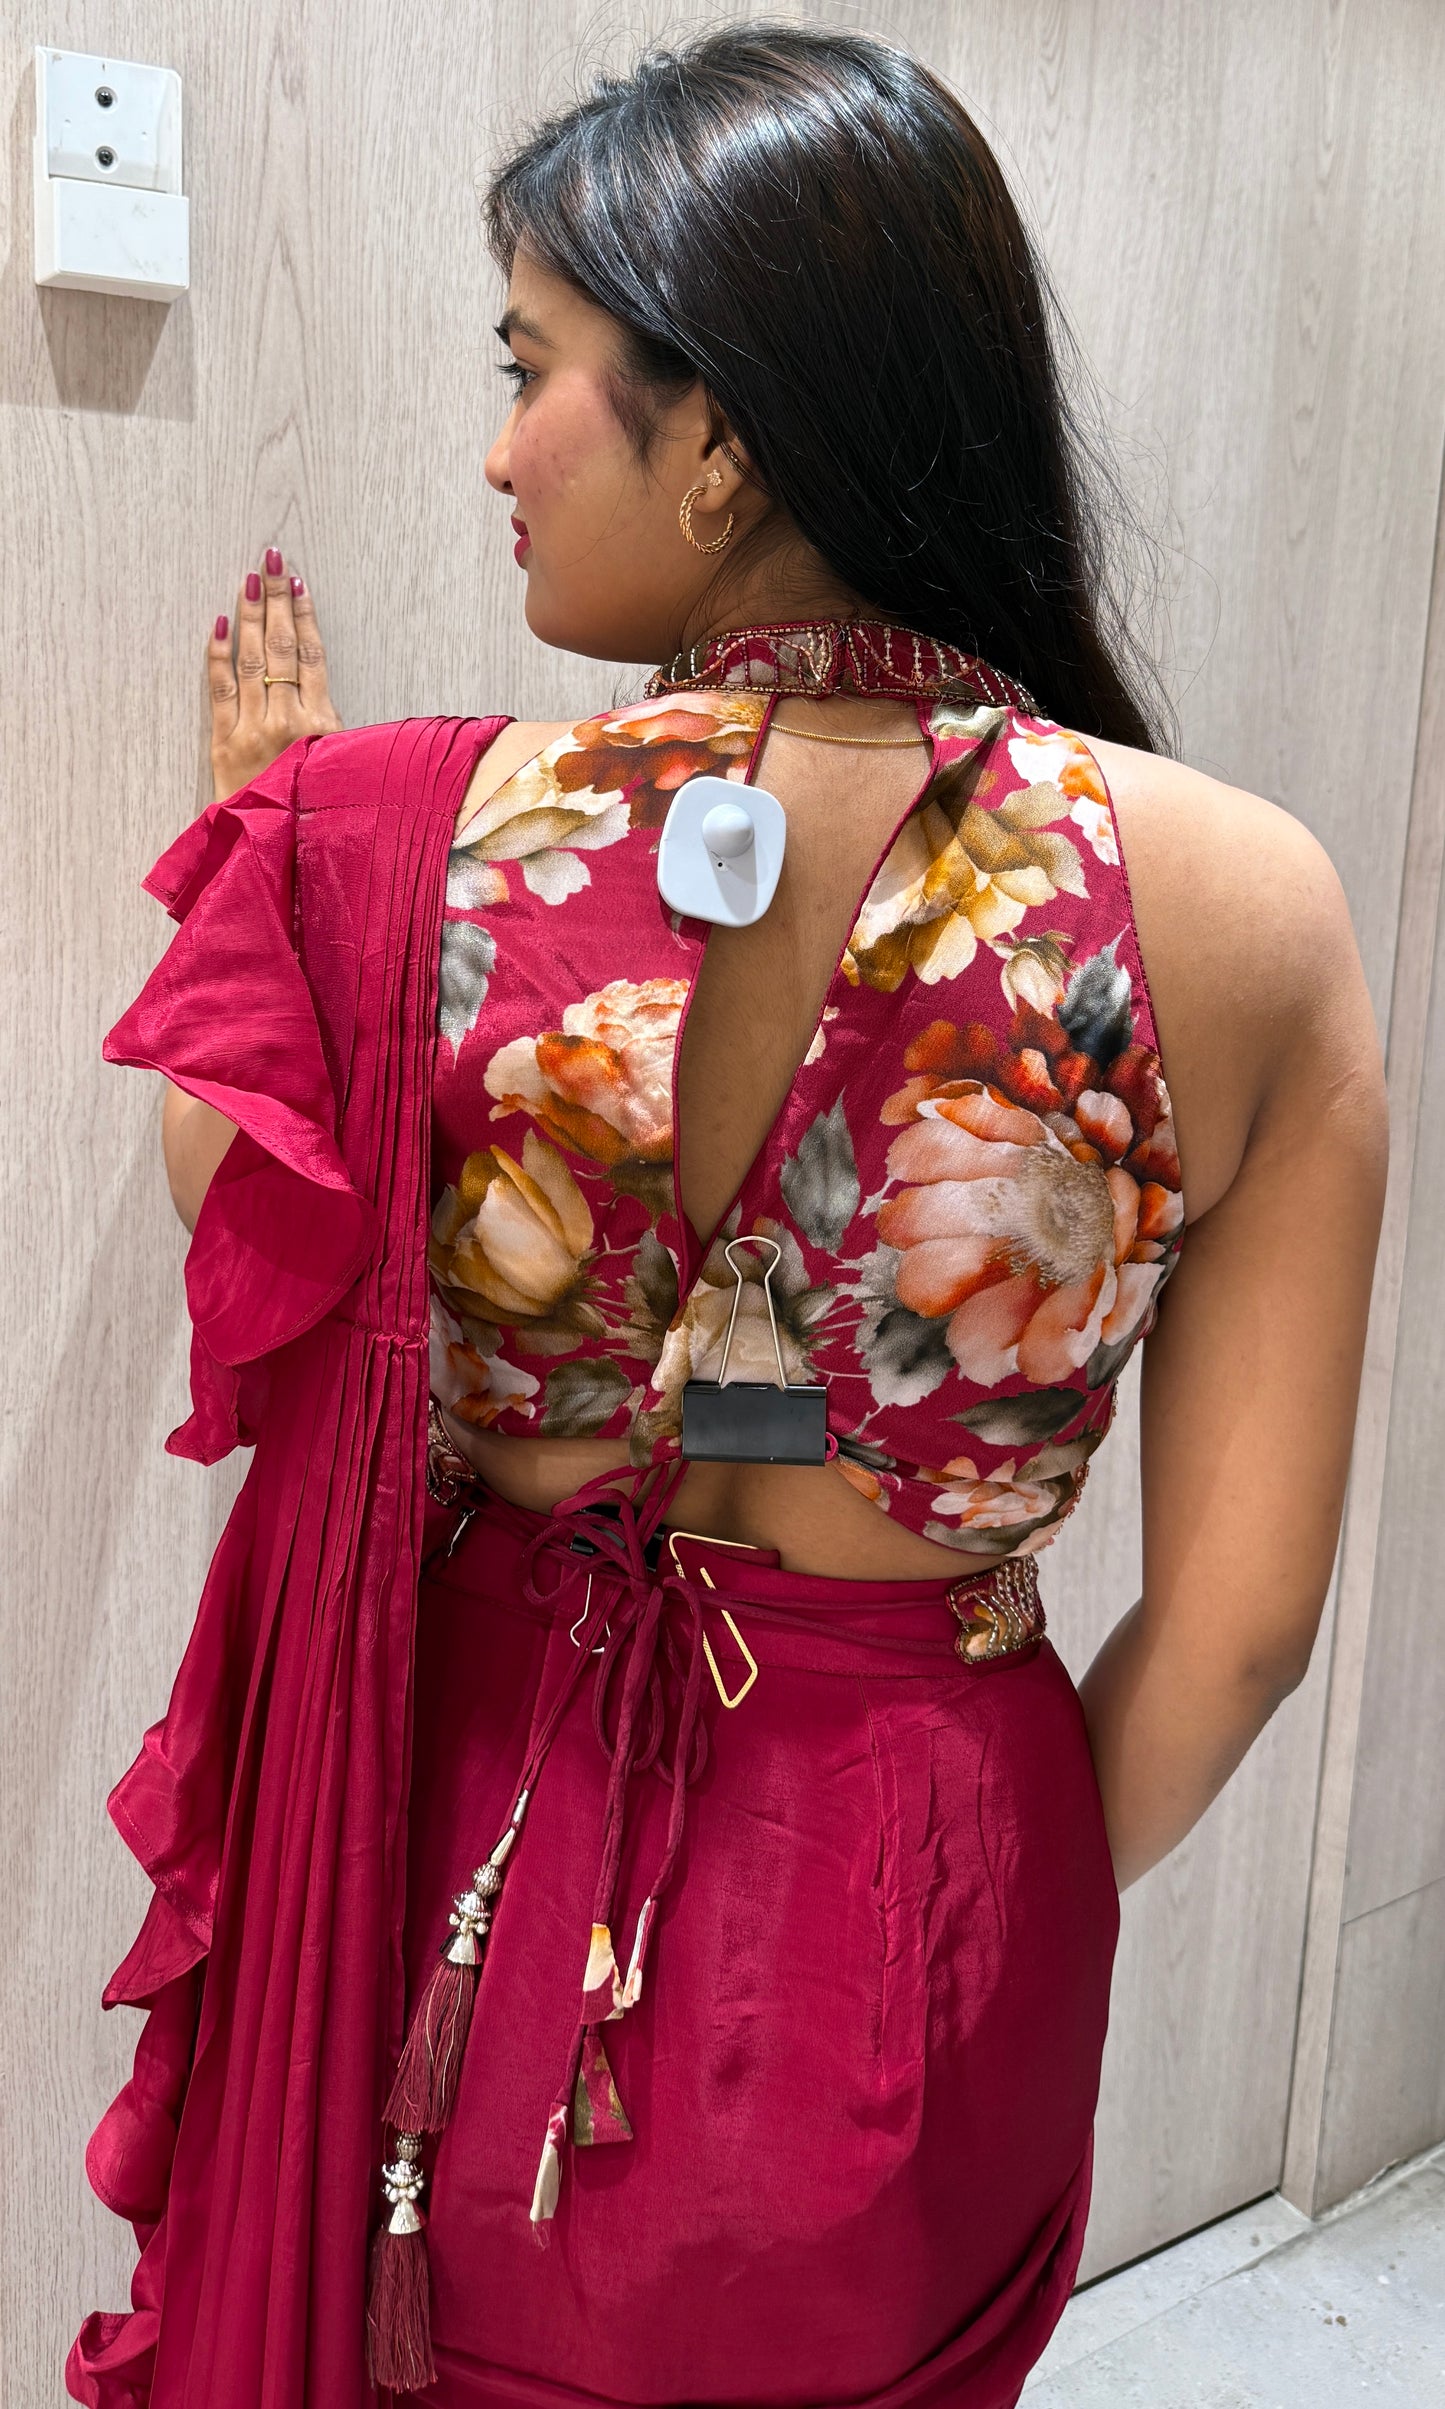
[(600, 1085), (1015, 1509), (1039, 1204), (590, 787)]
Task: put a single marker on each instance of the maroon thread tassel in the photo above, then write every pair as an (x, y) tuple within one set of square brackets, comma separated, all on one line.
[(426, 2078), (398, 2299), (425, 2085)]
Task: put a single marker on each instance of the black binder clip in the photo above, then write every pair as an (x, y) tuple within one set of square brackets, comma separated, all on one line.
[(755, 1421)]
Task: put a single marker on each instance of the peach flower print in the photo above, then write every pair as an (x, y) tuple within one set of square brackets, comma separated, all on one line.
[(1016, 1508), (469, 1378), (510, 1242), (602, 1083), (1035, 1255), (1039, 1206), (864, 1479)]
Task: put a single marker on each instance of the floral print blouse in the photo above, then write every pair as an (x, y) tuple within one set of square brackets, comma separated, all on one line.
[(973, 1180)]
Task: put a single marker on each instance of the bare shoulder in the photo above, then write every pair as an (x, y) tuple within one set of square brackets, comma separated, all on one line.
[(1226, 866), (1249, 950), (520, 742)]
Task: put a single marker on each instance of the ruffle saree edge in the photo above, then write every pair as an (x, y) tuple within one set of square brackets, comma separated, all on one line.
[(267, 1808)]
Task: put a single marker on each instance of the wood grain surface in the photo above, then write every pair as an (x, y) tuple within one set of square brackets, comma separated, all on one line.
[(1242, 205)]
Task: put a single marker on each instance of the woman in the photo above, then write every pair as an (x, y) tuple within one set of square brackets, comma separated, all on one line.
[(758, 1735)]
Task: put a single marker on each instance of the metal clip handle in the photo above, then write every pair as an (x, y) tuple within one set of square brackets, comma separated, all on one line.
[(736, 1270)]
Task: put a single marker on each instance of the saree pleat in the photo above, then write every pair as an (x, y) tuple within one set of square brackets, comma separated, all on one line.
[(268, 1807)]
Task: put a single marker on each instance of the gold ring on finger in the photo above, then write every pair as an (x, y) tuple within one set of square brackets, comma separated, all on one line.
[(270, 681)]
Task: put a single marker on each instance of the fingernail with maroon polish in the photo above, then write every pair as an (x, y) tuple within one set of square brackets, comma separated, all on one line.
[(253, 586), (273, 563), (298, 585), (223, 628)]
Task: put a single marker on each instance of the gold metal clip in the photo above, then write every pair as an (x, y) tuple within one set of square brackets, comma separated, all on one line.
[(703, 1540)]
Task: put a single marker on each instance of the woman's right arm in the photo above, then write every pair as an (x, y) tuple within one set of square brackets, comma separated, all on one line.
[(1251, 1377), (276, 636)]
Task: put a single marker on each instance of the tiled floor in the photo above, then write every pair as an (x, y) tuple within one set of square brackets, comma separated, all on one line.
[(1267, 2311)]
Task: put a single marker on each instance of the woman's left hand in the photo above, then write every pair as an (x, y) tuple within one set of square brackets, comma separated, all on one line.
[(276, 637), (271, 690)]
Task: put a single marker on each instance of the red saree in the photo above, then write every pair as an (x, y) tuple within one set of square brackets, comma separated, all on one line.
[(860, 2163), (268, 1808)]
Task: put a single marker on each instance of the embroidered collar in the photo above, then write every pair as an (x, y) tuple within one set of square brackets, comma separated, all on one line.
[(838, 656)]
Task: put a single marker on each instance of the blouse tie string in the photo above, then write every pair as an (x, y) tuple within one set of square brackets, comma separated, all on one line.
[(645, 1636)]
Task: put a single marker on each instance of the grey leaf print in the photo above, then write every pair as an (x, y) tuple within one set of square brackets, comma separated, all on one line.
[(904, 1354), (1024, 1421), (581, 1397), (1098, 1006), (468, 958), (863, 1451), (654, 1274), (651, 1296), (471, 880), (820, 1182), (975, 1542)]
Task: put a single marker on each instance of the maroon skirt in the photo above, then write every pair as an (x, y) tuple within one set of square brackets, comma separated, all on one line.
[(860, 2079)]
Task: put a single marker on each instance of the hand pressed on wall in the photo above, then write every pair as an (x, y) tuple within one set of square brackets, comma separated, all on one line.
[(276, 635)]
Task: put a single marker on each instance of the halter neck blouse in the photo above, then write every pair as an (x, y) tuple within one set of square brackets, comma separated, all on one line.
[(838, 656), (972, 1182)]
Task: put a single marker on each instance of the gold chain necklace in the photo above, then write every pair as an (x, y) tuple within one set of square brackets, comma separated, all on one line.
[(877, 744)]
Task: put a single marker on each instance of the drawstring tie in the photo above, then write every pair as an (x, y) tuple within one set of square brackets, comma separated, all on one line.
[(653, 1647)]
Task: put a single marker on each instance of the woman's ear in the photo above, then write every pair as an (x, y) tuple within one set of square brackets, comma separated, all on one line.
[(728, 456)]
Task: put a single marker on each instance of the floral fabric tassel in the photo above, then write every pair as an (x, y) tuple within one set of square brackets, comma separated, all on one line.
[(589, 2096), (548, 2185), (597, 2110), (398, 2304)]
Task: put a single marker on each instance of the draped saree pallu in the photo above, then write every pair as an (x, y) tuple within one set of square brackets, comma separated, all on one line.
[(268, 1807), (426, 1754)]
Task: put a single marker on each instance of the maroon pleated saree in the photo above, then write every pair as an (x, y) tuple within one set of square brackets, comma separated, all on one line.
[(268, 1807)]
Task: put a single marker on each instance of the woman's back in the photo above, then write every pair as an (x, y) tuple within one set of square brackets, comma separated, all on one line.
[(1260, 1004)]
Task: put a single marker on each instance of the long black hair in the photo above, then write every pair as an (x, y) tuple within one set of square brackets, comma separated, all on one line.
[(812, 224)]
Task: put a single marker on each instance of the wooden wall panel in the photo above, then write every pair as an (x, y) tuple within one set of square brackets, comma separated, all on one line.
[(1397, 1825), (1385, 2092), (1369, 2052), (1242, 204)]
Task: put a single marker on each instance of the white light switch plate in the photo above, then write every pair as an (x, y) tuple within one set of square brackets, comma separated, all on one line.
[(110, 216)]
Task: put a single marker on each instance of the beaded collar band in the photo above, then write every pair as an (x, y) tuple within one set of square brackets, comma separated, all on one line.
[(838, 656)]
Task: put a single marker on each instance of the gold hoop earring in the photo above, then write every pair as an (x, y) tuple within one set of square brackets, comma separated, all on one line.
[(684, 516)]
